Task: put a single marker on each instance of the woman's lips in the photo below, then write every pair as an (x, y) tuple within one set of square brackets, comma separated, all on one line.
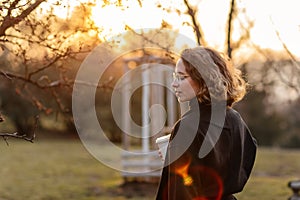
[(177, 93)]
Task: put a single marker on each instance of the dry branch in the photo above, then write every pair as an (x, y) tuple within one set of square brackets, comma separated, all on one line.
[(192, 12), (10, 21), (229, 28), (5, 136)]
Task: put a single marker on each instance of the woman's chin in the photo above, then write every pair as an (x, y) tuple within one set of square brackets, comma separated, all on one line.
[(181, 99)]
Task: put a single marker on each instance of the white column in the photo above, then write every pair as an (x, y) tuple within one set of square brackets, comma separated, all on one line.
[(125, 99), (157, 97), (145, 107)]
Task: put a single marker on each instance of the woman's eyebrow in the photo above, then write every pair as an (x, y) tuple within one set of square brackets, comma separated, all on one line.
[(181, 73)]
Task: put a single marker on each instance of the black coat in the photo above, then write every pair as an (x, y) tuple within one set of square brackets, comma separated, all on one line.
[(222, 172)]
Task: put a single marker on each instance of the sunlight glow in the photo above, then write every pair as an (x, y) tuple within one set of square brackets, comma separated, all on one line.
[(269, 16), (112, 20), (63, 10)]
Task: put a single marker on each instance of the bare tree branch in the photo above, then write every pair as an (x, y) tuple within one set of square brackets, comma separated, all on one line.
[(10, 21), (196, 26), (288, 81), (229, 28), (294, 60), (5, 136), (54, 84)]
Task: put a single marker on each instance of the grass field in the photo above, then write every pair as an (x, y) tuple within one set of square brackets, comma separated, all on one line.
[(63, 169)]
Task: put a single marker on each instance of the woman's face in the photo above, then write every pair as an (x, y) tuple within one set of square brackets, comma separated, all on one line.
[(185, 87)]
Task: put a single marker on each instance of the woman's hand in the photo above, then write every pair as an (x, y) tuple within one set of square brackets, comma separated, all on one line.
[(160, 155)]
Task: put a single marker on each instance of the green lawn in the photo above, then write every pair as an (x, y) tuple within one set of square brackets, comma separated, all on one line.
[(63, 169), (47, 170), (273, 169)]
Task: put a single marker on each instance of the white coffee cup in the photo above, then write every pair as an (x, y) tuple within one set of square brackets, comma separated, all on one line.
[(162, 143)]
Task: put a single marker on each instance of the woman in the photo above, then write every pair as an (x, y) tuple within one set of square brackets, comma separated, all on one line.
[(211, 151)]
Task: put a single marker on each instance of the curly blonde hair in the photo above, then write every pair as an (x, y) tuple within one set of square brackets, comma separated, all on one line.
[(215, 75)]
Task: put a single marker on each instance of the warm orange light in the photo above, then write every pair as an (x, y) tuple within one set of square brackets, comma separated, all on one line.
[(181, 168), (183, 172), (132, 64)]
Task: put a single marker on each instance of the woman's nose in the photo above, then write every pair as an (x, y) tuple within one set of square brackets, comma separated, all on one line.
[(175, 84)]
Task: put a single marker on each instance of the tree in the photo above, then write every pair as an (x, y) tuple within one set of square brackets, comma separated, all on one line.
[(38, 49), (267, 127)]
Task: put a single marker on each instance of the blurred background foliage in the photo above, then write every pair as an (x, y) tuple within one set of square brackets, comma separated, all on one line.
[(40, 55)]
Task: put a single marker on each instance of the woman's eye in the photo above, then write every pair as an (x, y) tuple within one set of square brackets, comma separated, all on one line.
[(179, 77)]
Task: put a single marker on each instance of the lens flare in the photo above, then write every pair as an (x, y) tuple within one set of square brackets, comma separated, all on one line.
[(183, 172), (181, 168)]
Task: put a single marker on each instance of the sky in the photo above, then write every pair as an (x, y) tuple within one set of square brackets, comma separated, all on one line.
[(269, 16), (280, 15)]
